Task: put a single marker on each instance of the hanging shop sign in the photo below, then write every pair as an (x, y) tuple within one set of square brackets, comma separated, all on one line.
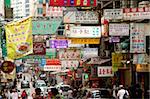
[(86, 3), (7, 66), (51, 53), (69, 63), (84, 41), (59, 43), (143, 68), (69, 54), (105, 71), (40, 38), (116, 59), (137, 38), (140, 58), (90, 52), (113, 14), (19, 38), (136, 13), (114, 39), (45, 27), (119, 29), (83, 31), (52, 65), (84, 17), (54, 11), (39, 48)]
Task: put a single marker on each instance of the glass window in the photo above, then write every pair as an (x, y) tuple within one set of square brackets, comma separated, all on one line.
[(27, 5), (41, 1), (27, 1), (27, 10), (40, 10)]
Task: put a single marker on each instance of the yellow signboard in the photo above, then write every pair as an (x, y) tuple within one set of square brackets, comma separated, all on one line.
[(84, 41), (143, 67), (19, 38)]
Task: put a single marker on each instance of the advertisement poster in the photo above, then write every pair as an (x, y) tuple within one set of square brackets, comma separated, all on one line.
[(69, 54), (39, 48), (45, 27), (59, 43), (84, 17), (137, 38), (19, 38), (105, 71), (73, 3), (119, 29), (73, 31)]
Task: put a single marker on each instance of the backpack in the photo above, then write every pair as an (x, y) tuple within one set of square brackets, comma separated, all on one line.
[(125, 96)]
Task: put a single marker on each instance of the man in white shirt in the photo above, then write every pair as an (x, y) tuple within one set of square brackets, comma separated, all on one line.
[(121, 92)]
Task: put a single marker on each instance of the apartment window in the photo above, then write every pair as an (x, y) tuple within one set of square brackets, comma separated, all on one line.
[(27, 10), (40, 10), (41, 1), (27, 1), (27, 14), (27, 5)]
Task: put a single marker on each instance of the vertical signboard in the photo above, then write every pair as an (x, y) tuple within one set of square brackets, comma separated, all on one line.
[(137, 38), (105, 71)]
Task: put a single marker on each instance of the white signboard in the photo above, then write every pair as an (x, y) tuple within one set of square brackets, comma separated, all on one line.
[(90, 52), (137, 38), (105, 71), (119, 29), (54, 11), (136, 13), (52, 68), (84, 17), (70, 63), (113, 14), (82, 31)]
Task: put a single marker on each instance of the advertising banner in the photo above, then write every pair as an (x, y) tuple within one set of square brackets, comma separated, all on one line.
[(39, 48), (84, 17), (137, 38), (51, 53), (69, 63), (73, 31), (59, 43), (45, 27), (54, 11), (113, 14), (84, 41), (118, 29), (105, 71), (69, 54), (136, 13), (19, 38), (73, 3), (90, 52)]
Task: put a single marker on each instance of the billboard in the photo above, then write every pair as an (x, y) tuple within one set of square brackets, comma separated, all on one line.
[(73, 31), (84, 17)]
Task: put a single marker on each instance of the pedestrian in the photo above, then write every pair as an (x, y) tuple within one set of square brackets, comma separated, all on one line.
[(14, 94), (122, 92), (24, 95), (8, 94)]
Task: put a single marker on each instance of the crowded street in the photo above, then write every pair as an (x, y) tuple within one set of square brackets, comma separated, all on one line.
[(74, 49)]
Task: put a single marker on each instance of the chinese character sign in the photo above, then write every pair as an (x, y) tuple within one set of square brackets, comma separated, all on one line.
[(105, 71), (137, 38), (58, 43), (19, 38)]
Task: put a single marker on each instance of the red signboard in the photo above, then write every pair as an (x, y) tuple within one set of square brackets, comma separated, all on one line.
[(39, 48), (73, 3), (53, 62), (7, 66)]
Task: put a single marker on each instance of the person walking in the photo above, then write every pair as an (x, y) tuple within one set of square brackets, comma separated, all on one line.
[(24, 95), (122, 92)]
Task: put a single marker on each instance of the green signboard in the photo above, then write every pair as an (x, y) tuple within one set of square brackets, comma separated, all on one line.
[(7, 3), (46, 26), (51, 53)]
